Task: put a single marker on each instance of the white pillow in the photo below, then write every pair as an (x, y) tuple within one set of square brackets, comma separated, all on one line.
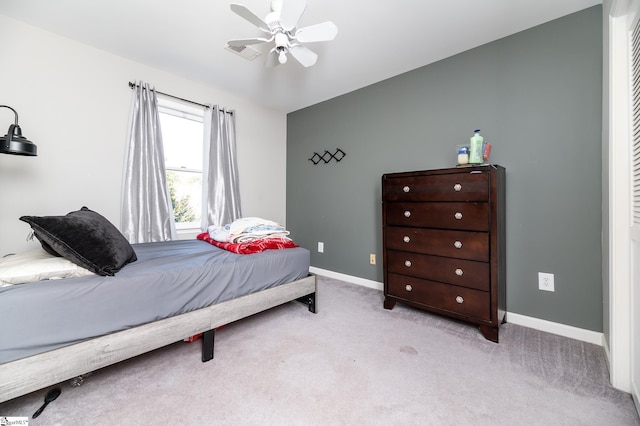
[(36, 265)]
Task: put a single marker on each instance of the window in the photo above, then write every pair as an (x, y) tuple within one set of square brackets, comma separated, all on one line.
[(182, 136)]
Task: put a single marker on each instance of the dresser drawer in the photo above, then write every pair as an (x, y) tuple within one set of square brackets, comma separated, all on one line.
[(459, 244), (463, 186), (464, 216), (465, 273), (463, 301)]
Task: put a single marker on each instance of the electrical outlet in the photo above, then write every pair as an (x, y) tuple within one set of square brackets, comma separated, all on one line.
[(320, 247), (372, 259), (545, 281)]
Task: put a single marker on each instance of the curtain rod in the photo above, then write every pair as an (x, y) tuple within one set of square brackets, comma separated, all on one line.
[(134, 85)]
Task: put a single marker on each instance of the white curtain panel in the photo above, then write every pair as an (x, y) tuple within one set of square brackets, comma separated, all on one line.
[(147, 214), (221, 190)]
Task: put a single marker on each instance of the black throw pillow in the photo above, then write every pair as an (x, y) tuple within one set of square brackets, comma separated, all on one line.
[(85, 238)]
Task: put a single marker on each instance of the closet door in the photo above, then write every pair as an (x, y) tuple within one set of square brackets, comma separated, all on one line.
[(622, 283)]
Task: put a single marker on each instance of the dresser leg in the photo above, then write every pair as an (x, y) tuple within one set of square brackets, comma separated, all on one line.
[(489, 333), (388, 303)]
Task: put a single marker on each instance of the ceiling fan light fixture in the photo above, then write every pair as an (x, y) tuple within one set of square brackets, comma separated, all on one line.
[(281, 23), (282, 40)]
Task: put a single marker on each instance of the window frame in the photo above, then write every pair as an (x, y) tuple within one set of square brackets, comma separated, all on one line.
[(169, 106)]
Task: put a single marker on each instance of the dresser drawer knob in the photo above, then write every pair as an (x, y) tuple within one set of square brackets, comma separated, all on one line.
[(459, 299), (406, 239), (458, 215), (406, 189), (407, 263), (459, 272), (408, 287), (407, 213), (457, 187), (458, 244)]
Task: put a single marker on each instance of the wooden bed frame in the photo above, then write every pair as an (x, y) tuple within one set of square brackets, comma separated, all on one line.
[(29, 374)]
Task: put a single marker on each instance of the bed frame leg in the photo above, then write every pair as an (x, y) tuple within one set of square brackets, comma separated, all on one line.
[(310, 300), (208, 338)]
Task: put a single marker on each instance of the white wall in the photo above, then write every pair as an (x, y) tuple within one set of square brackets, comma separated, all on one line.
[(73, 103)]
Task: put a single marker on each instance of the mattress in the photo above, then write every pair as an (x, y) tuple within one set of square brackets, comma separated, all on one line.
[(169, 278)]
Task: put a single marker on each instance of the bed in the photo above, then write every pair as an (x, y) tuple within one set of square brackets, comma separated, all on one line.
[(55, 330)]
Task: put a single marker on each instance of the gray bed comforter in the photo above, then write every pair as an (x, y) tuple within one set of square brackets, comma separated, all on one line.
[(168, 279)]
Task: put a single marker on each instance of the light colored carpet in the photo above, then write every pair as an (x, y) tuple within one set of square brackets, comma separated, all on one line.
[(353, 363)]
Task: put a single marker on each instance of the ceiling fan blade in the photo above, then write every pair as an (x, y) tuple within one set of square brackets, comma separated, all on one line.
[(272, 59), (303, 55), (318, 32), (291, 12), (249, 16), (247, 41)]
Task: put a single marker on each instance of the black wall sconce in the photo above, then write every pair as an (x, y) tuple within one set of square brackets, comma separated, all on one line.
[(13, 142)]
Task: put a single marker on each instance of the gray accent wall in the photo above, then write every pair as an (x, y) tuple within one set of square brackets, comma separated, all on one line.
[(537, 98)]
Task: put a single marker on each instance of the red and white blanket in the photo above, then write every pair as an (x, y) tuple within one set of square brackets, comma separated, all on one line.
[(251, 247)]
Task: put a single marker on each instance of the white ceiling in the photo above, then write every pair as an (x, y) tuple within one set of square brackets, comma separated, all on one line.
[(376, 39)]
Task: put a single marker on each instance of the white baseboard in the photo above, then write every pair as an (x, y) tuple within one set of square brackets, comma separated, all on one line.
[(635, 393), (571, 332), (607, 352), (348, 278)]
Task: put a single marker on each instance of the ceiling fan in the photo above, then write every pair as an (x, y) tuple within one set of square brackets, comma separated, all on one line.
[(281, 26)]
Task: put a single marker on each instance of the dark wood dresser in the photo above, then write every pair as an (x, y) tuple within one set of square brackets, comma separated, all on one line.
[(444, 243)]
